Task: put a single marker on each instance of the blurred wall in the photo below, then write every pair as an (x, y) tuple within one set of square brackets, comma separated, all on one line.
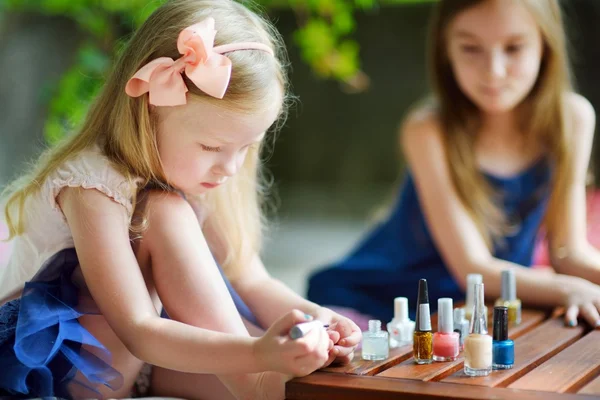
[(35, 51)]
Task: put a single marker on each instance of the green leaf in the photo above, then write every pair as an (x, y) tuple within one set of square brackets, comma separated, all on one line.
[(343, 23), (93, 60), (315, 38), (347, 60)]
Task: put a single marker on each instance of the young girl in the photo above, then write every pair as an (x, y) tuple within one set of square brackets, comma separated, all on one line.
[(134, 214), (502, 151)]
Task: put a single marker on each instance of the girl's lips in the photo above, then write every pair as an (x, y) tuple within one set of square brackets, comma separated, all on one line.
[(492, 91)]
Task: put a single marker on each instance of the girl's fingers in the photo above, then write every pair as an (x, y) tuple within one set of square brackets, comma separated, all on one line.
[(590, 313), (334, 336), (571, 315)]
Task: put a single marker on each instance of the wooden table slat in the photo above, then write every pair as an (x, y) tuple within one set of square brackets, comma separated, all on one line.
[(592, 388), (358, 366), (531, 350), (567, 371), (409, 370), (326, 386)]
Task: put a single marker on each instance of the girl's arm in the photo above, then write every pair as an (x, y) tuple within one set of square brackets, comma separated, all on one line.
[(197, 294), (455, 233), (269, 299), (570, 251)]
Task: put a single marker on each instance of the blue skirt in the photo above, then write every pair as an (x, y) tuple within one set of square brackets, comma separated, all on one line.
[(41, 338)]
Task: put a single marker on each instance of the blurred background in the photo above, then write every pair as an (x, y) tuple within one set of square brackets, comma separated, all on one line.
[(357, 66)]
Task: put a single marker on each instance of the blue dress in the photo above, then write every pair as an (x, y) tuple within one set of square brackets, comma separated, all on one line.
[(392, 258), (41, 339)]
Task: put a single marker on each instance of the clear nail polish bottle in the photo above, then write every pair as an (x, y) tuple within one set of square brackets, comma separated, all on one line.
[(446, 342), (401, 328), (472, 280), (422, 337), (478, 345), (375, 344), (503, 348), (509, 298), (461, 325)]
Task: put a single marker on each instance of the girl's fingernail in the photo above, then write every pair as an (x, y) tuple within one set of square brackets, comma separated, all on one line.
[(597, 324), (307, 316), (572, 323)]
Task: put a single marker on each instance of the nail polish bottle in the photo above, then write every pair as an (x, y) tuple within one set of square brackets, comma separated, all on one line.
[(503, 348), (478, 345), (508, 297), (422, 337), (461, 325), (446, 342), (401, 328), (375, 344), (472, 280)]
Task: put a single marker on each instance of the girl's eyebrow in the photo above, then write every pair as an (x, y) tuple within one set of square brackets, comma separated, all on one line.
[(517, 37), (465, 34), (469, 35), (218, 139), (226, 143)]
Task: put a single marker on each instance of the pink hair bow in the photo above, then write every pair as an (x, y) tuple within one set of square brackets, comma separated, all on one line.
[(203, 64)]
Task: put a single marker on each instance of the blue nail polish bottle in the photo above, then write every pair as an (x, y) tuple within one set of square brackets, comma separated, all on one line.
[(503, 348)]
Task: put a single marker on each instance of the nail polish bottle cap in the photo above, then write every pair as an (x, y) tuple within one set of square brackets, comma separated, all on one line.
[(459, 314), (423, 319), (472, 280), (401, 309), (374, 325), (509, 285), (500, 323), (478, 319), (445, 316)]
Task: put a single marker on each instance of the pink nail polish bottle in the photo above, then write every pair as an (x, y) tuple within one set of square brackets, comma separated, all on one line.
[(446, 342)]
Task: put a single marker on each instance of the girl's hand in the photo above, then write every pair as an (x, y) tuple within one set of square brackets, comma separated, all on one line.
[(582, 297), (344, 333), (276, 351)]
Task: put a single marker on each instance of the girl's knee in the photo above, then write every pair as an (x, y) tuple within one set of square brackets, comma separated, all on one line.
[(165, 207)]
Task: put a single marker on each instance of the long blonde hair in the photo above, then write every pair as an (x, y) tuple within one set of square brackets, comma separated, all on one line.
[(125, 129), (544, 115)]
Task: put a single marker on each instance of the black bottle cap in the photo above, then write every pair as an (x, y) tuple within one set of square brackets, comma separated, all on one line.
[(423, 318), (423, 297), (500, 327)]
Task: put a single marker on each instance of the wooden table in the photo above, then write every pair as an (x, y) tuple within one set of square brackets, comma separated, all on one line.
[(552, 362)]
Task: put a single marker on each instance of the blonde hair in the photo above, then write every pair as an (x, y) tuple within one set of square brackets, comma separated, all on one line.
[(544, 114), (125, 129)]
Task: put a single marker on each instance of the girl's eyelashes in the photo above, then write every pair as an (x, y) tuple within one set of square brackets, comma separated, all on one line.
[(513, 48), (474, 49), (470, 49), (219, 149), (211, 149)]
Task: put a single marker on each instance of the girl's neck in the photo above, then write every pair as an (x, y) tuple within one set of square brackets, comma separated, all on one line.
[(501, 146), (501, 127)]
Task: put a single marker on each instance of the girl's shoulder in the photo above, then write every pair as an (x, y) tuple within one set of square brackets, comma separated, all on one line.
[(580, 131), (581, 110), (421, 128), (91, 169)]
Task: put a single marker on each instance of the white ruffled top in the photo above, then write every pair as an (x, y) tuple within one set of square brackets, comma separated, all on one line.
[(46, 230)]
